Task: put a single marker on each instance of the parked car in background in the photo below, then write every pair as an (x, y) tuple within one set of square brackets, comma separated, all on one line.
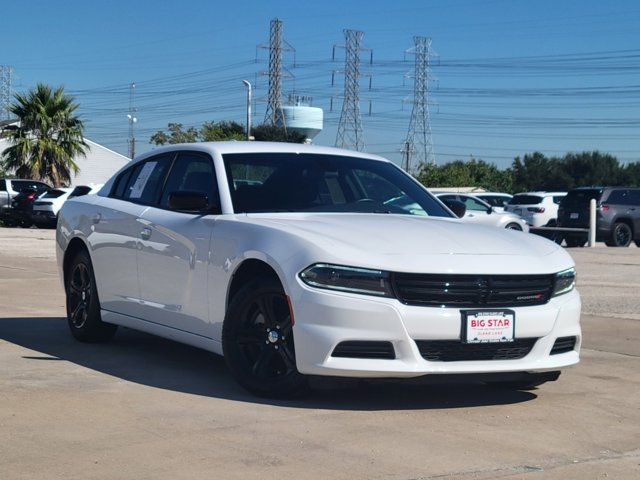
[(617, 215), (480, 212), (495, 199), (82, 190), (46, 207), (16, 200), (538, 209), (312, 270)]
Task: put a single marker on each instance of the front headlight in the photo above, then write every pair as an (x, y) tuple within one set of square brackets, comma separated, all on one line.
[(348, 279), (565, 281)]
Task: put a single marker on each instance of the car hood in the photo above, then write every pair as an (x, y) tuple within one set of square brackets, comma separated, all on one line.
[(408, 242)]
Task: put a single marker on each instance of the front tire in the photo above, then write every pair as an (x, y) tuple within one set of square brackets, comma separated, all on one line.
[(83, 305), (257, 341), (621, 235)]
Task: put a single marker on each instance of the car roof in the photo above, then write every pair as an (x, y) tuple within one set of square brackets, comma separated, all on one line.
[(542, 194), (499, 194), (259, 147)]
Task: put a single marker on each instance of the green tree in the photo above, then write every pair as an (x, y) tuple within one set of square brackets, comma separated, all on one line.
[(473, 172), (175, 134), (273, 133), (220, 131), (47, 138)]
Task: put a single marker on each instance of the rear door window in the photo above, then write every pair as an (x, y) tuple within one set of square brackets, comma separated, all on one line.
[(473, 204), (147, 179), (525, 200), (53, 193)]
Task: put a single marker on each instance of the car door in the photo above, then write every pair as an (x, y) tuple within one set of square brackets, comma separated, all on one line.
[(115, 236), (633, 201), (174, 253)]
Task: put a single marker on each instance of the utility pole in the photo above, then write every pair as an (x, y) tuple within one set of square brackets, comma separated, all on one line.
[(418, 146), (248, 85), (350, 133), (131, 116), (276, 73), (5, 91)]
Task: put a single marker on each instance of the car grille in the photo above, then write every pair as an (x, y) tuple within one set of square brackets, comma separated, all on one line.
[(456, 351), (472, 290), (365, 349)]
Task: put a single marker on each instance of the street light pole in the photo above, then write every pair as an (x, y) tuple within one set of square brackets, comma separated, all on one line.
[(248, 85)]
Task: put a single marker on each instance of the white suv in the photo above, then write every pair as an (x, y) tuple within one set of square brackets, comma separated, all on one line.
[(538, 209)]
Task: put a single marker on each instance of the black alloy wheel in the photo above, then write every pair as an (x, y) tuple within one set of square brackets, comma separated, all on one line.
[(83, 305), (621, 235), (258, 341)]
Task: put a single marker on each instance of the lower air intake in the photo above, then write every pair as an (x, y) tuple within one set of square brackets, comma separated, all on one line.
[(365, 349), (563, 345), (456, 351)]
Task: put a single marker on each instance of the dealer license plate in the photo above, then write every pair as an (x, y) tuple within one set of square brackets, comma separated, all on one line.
[(574, 216), (488, 326)]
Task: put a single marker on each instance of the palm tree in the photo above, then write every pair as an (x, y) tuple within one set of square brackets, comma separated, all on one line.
[(47, 137)]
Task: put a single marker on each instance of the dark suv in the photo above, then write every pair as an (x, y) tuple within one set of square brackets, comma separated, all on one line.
[(617, 215)]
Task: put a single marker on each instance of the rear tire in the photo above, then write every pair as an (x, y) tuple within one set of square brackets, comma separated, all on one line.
[(621, 235), (83, 305), (257, 341)]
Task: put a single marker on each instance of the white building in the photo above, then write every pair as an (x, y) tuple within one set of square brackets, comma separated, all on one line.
[(99, 164)]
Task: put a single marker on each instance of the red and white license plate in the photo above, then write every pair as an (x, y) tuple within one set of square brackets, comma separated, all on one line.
[(488, 326)]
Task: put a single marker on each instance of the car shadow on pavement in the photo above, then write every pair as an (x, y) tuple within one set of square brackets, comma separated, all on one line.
[(153, 361)]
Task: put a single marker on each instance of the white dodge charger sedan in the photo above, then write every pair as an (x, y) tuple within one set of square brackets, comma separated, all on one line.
[(297, 260)]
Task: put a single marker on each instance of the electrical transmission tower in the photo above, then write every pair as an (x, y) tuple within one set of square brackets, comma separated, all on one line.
[(350, 127), (418, 146), (277, 71), (5, 91), (131, 117)]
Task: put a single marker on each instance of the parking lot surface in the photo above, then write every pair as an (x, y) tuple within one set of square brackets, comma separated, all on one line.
[(146, 408)]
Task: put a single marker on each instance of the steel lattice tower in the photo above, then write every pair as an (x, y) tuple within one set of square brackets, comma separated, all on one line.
[(418, 146), (350, 133), (5, 91), (277, 45)]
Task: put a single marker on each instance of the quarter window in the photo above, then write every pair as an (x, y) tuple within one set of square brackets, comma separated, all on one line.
[(619, 197)]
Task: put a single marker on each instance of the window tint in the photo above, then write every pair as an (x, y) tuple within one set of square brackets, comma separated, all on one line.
[(557, 199), (634, 197), (146, 180), (3, 185), (19, 185), (191, 173), (276, 182), (80, 191), (53, 193), (495, 200), (473, 204), (581, 197), (618, 197), (523, 199)]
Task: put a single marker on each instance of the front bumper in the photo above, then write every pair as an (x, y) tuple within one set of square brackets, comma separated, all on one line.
[(323, 319)]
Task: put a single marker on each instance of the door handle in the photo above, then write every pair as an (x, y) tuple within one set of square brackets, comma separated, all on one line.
[(145, 234), (96, 218)]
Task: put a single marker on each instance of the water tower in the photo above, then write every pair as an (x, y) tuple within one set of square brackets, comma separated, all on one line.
[(300, 116)]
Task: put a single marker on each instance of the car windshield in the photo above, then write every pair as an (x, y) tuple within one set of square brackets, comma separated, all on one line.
[(290, 182), (582, 196), (525, 200)]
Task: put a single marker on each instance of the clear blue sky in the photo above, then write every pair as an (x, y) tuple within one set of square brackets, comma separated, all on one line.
[(513, 75)]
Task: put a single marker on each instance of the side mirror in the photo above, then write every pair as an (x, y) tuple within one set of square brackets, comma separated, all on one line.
[(490, 210), (188, 201), (456, 207)]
